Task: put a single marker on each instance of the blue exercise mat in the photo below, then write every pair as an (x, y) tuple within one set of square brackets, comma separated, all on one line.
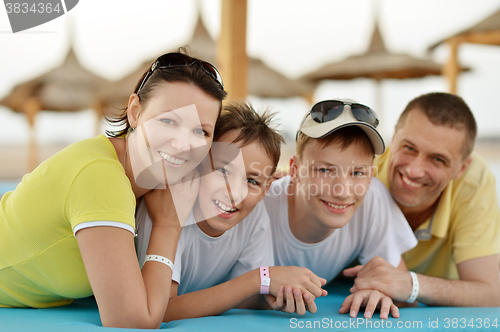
[(82, 315)]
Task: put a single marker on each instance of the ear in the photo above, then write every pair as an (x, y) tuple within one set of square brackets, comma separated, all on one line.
[(294, 169), (464, 167), (133, 110)]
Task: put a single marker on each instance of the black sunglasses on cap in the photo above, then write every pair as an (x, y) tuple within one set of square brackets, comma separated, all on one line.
[(329, 110), (171, 60)]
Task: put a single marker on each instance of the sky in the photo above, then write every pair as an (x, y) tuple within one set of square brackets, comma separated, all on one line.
[(112, 37)]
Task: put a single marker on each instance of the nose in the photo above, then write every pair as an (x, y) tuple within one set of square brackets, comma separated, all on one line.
[(236, 190), (416, 168), (343, 188), (181, 141)]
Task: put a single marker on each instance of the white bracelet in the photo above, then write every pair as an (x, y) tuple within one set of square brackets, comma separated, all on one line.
[(414, 291), (160, 259)]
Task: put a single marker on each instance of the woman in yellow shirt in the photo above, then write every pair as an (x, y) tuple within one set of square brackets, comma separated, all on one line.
[(68, 228)]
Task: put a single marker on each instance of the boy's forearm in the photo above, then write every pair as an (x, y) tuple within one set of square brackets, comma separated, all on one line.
[(214, 300)]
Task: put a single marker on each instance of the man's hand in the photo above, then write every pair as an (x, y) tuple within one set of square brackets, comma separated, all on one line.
[(379, 275), (371, 300)]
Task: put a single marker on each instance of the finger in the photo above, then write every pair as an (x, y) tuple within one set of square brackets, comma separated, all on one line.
[(310, 304), (300, 307), (271, 300), (394, 311), (372, 304), (346, 305), (314, 289), (385, 307), (353, 271), (318, 281), (290, 303), (356, 304), (279, 297)]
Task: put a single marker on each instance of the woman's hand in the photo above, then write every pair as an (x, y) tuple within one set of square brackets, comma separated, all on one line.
[(173, 205)]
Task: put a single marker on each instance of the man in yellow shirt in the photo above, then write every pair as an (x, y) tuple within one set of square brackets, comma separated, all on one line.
[(449, 198)]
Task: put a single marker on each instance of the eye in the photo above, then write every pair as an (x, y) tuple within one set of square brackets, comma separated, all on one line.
[(323, 170), (200, 132), (409, 148), (358, 174), (168, 121), (439, 160), (253, 182)]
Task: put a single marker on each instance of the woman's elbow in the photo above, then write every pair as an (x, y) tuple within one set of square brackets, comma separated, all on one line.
[(136, 321)]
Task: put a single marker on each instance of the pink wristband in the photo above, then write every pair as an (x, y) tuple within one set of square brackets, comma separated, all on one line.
[(265, 281)]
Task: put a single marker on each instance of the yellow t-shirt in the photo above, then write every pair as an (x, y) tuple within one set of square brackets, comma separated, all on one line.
[(465, 225), (40, 262)]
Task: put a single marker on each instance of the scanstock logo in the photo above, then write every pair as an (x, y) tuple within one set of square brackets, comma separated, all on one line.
[(26, 14)]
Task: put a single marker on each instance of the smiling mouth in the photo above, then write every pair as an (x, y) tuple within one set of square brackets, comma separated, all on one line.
[(224, 208), (338, 207), (411, 183), (171, 159)]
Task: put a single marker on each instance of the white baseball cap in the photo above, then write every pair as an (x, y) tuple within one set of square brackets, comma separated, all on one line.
[(314, 129)]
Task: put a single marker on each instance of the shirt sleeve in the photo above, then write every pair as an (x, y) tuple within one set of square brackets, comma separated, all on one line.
[(389, 235), (476, 220), (100, 191), (258, 250)]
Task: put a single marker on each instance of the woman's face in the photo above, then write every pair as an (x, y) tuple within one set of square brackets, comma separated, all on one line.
[(173, 132)]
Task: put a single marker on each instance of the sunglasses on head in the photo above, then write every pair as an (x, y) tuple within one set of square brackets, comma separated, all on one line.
[(171, 60), (329, 110)]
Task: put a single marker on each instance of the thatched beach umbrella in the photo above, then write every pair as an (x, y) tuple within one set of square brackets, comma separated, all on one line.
[(262, 81), (69, 87), (486, 32), (377, 63)]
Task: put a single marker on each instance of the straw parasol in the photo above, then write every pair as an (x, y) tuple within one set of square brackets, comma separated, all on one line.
[(68, 87), (486, 32), (263, 81), (378, 64)]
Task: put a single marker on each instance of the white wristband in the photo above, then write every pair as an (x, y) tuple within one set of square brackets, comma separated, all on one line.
[(414, 291), (160, 259)]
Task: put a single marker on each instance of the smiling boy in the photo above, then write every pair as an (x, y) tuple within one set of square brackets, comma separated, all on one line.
[(329, 210), (219, 258)]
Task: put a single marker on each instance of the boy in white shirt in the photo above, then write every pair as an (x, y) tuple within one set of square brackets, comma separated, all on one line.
[(227, 242), (329, 211)]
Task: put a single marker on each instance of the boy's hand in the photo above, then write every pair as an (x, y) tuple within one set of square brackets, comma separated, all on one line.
[(371, 300), (293, 301), (299, 278)]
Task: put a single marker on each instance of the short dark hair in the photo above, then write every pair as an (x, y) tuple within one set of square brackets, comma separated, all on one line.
[(254, 127), (189, 74), (344, 137), (444, 109)]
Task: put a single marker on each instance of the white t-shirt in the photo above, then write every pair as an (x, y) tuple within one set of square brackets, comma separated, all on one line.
[(203, 261), (377, 228)]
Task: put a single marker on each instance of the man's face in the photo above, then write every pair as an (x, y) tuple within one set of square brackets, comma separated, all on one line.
[(425, 158), (332, 183)]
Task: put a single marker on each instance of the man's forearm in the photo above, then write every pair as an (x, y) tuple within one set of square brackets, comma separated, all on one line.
[(443, 292)]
